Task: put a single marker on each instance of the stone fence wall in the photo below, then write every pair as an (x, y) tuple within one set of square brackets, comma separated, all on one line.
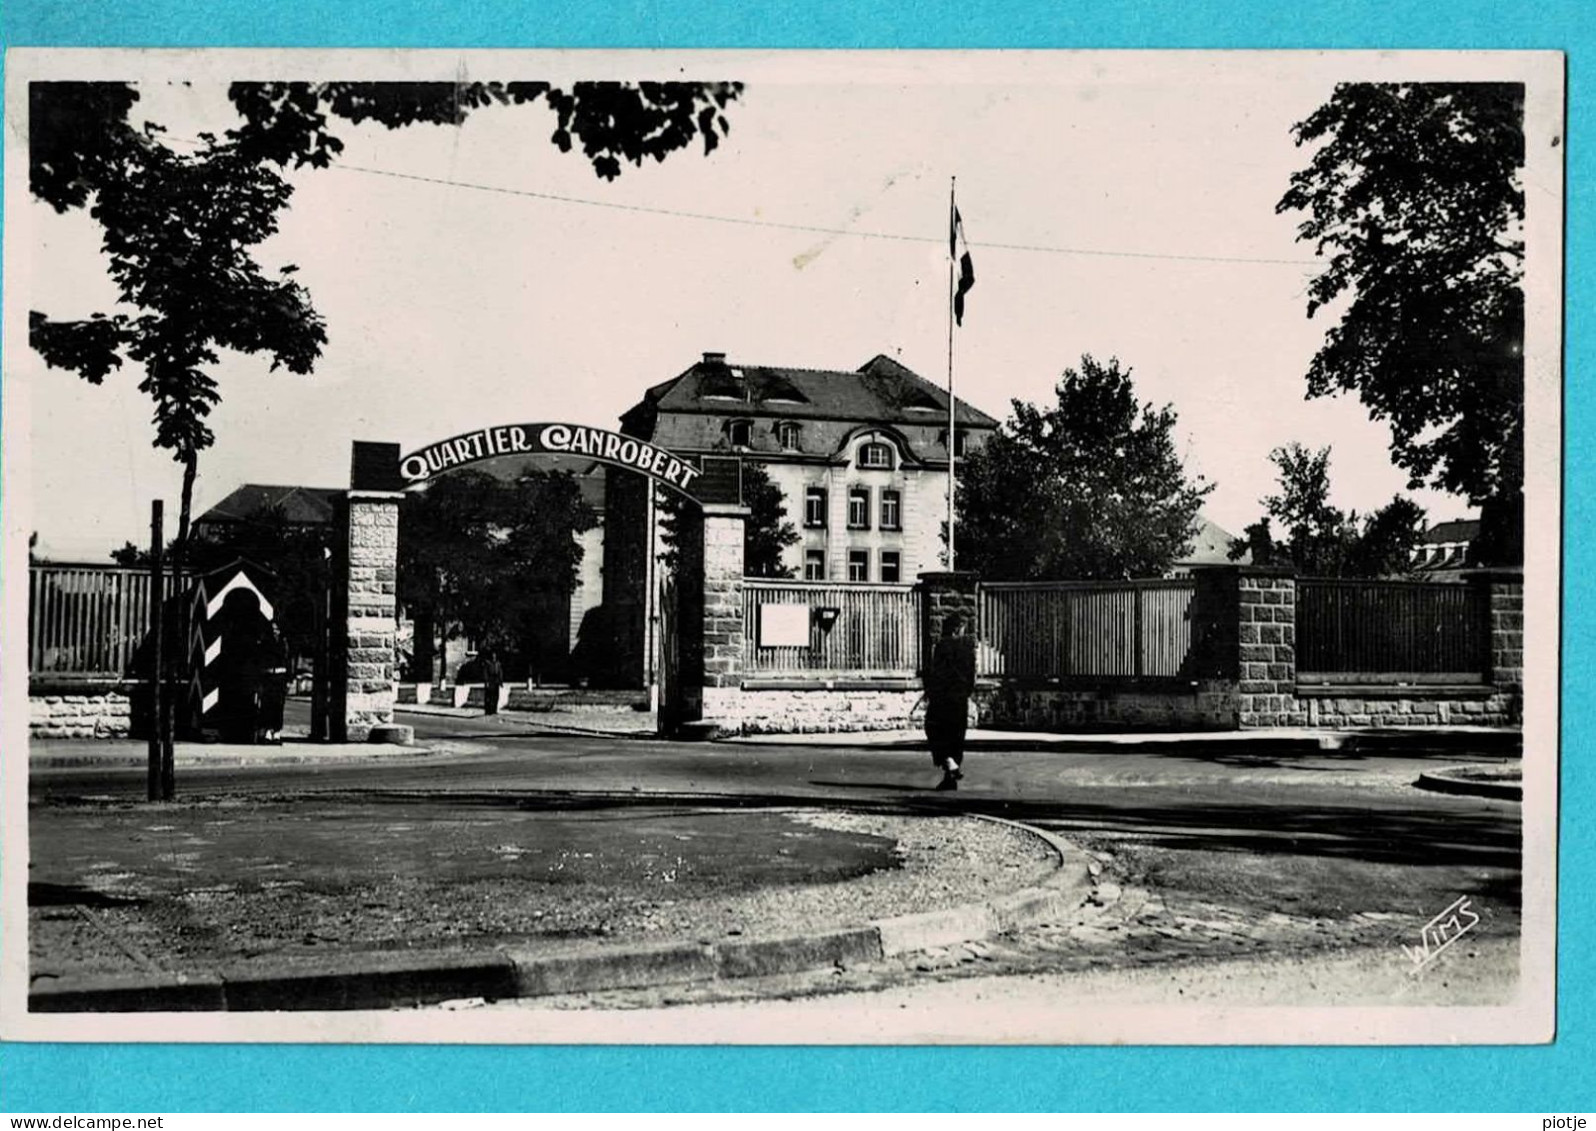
[(1241, 674), (89, 711)]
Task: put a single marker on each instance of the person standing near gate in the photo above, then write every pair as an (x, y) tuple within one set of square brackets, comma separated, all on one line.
[(492, 680), (948, 684)]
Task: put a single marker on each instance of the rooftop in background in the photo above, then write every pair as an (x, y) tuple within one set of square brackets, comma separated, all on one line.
[(1456, 530), (299, 506), (1443, 550), (1210, 545), (881, 391)]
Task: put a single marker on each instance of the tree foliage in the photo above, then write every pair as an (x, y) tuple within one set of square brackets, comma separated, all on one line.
[(1414, 196), (766, 531), (179, 229), (1089, 488), (1321, 540), (487, 559)]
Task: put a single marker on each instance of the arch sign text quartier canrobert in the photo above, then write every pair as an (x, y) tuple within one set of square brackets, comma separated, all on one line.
[(699, 483)]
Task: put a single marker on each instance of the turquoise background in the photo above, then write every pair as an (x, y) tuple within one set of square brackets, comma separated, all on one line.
[(133, 1079)]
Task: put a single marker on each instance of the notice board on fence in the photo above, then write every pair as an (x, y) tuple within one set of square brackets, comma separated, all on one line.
[(783, 626)]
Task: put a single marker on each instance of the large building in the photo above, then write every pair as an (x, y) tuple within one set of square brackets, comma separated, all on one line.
[(860, 456)]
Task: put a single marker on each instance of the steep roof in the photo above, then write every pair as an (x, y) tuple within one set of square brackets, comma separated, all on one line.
[(299, 506), (880, 391), (1210, 544), (1457, 530)]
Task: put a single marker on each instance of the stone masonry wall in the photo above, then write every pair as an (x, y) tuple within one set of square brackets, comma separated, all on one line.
[(98, 715), (943, 595), (1266, 630), (1507, 638), (806, 710), (723, 596), (372, 624), (1207, 705)]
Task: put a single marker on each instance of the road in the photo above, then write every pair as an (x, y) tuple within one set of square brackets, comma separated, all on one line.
[(1213, 853)]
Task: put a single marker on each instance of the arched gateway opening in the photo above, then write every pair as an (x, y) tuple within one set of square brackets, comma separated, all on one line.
[(699, 622)]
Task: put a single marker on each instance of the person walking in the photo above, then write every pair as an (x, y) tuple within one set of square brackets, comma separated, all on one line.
[(492, 680), (948, 684)]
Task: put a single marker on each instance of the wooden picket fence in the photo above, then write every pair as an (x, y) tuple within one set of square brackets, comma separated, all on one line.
[(854, 629), (89, 620), (1099, 629)]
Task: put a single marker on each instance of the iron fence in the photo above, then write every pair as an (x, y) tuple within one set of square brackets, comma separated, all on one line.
[(89, 620), (845, 628), (1392, 627), (1105, 629)]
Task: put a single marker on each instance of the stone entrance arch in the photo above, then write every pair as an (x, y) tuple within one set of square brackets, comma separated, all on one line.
[(709, 630)]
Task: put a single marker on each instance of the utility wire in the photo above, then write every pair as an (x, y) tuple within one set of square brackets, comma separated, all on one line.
[(814, 229)]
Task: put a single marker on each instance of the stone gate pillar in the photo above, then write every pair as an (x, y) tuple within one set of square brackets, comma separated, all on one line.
[(720, 675), (943, 594), (370, 612)]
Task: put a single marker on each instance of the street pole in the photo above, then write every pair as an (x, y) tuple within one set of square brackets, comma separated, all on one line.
[(157, 653), (952, 424)]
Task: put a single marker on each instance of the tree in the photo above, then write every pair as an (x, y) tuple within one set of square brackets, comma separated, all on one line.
[(179, 229), (1415, 196), (1322, 540), (1090, 488), (766, 531), (484, 558)]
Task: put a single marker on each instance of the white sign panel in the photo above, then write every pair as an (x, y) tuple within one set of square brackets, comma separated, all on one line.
[(784, 626)]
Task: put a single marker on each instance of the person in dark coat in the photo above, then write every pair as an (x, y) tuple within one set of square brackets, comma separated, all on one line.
[(948, 684), (492, 680), (274, 687)]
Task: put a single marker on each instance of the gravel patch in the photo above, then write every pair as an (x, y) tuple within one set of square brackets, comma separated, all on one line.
[(944, 862)]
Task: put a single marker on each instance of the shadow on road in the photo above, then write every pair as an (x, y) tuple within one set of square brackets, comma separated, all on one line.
[(1398, 835)]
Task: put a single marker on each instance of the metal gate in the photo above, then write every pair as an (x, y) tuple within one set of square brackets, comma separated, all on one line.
[(671, 701)]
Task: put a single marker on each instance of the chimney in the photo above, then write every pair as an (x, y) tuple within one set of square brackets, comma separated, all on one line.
[(714, 358)]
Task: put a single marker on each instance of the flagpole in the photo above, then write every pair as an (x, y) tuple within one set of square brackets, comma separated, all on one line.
[(952, 428)]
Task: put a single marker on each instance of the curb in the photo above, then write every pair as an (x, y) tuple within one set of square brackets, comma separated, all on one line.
[(1395, 741), (1454, 781), (376, 752), (392, 981)]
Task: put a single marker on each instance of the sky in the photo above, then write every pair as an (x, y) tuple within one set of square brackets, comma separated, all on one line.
[(1115, 210)]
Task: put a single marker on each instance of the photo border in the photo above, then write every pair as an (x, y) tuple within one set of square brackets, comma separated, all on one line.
[(368, 1078)]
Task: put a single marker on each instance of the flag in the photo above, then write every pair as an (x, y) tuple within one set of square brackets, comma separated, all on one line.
[(960, 250)]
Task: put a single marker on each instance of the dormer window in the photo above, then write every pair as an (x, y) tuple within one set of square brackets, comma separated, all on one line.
[(958, 440), (787, 434), (740, 433), (876, 455)]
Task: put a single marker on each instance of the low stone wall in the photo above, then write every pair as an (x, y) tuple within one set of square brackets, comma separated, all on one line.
[(1340, 707), (1202, 705), (97, 714), (809, 710)]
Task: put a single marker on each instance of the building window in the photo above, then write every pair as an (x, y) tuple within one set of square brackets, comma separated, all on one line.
[(739, 432), (958, 440), (891, 510), (859, 508), (875, 455), (891, 566), (814, 565), (815, 506), (787, 435), (858, 565)]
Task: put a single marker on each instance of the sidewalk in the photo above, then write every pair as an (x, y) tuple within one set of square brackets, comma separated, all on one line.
[(1455, 740), (592, 722), (100, 753)]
